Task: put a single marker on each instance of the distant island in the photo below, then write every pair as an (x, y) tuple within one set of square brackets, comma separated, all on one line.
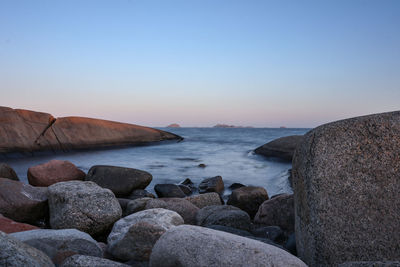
[(174, 125), (230, 126)]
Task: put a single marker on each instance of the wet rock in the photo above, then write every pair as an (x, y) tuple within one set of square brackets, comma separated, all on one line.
[(235, 186), (168, 190), (136, 205), (223, 215), (277, 211), (9, 226), (213, 184), (22, 202), (88, 261), (140, 193), (60, 244), (133, 237), (7, 172), (121, 181), (82, 205), (185, 246), (53, 172), (204, 200), (14, 253), (346, 184), (202, 165), (185, 208), (282, 148), (248, 198)]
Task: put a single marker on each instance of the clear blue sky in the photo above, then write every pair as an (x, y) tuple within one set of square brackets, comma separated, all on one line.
[(198, 63)]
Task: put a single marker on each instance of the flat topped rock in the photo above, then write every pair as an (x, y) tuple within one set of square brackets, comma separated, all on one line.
[(282, 148), (346, 183)]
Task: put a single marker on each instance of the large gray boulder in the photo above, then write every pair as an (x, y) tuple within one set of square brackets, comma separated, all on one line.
[(90, 261), (120, 180), (193, 246), (282, 148), (82, 205), (7, 172), (14, 253), (225, 215), (133, 237), (60, 244), (346, 181), (183, 207)]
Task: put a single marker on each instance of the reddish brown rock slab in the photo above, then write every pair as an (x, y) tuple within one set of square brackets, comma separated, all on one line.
[(9, 226), (53, 172), (22, 202)]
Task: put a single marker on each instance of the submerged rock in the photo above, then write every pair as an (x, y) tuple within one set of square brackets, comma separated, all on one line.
[(82, 205), (120, 180), (282, 148), (248, 198), (53, 172), (223, 215), (346, 184), (213, 184), (7, 172), (197, 246)]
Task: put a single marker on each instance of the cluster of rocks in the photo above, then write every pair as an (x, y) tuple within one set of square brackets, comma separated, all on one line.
[(106, 217)]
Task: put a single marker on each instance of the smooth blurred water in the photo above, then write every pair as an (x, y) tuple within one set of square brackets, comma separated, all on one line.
[(225, 151)]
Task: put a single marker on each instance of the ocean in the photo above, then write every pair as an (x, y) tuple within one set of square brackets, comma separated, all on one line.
[(227, 152)]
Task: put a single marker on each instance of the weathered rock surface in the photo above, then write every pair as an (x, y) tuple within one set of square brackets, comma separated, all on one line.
[(140, 193), (82, 205), (60, 244), (133, 237), (168, 190), (223, 215), (22, 202), (9, 226), (204, 200), (120, 180), (7, 172), (136, 205), (185, 208), (53, 172), (282, 148), (28, 131), (370, 264), (197, 246), (89, 261), (213, 184), (248, 198), (277, 211), (14, 253), (347, 191)]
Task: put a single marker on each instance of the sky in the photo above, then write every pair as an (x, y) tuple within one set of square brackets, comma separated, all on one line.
[(199, 63)]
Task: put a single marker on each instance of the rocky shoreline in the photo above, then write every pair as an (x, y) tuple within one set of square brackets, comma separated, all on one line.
[(344, 210)]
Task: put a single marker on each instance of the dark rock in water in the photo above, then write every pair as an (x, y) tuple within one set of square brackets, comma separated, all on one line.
[(370, 264), (187, 182), (290, 244), (346, 184), (120, 180), (22, 202), (133, 237), (223, 215), (213, 184), (273, 233), (86, 261), (14, 253), (9, 226), (204, 200), (188, 245), (277, 211), (139, 193), (82, 205), (183, 207), (282, 148), (7, 172), (168, 190), (185, 189), (235, 186), (136, 205), (53, 172), (248, 198), (60, 244), (201, 165)]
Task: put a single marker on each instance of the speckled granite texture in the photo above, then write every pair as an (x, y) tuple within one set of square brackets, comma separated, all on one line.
[(346, 178)]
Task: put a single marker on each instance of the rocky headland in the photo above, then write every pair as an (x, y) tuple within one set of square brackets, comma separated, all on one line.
[(25, 131)]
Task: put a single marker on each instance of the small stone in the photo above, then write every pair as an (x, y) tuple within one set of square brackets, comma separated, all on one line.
[(213, 184), (202, 165), (168, 190)]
